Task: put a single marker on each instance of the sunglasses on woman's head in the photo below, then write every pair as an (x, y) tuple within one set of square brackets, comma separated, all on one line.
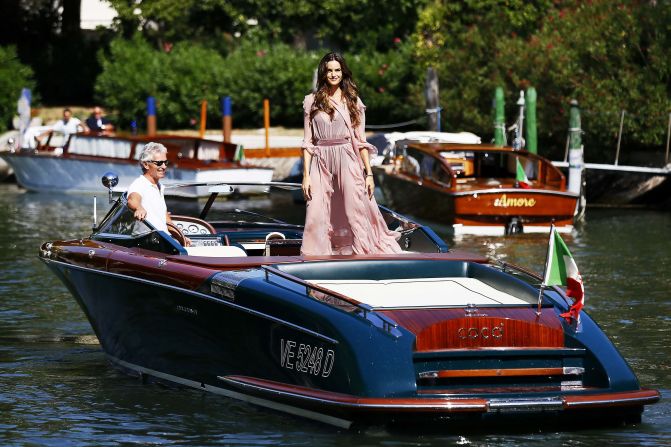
[(159, 162)]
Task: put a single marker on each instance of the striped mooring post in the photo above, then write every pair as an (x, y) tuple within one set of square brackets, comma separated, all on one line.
[(226, 118), (151, 115)]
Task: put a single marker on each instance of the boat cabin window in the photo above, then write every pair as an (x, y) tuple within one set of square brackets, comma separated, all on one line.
[(460, 162), (503, 165), (411, 162), (420, 164)]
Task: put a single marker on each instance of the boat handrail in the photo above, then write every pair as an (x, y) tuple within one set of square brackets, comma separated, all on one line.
[(505, 265), (535, 276), (280, 185), (367, 312)]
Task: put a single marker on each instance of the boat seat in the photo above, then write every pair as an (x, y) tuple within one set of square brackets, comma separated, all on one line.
[(419, 292), (216, 251), (283, 247)]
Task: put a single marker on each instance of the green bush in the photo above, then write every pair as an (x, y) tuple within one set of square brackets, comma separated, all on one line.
[(13, 77), (390, 85), (256, 71), (178, 80)]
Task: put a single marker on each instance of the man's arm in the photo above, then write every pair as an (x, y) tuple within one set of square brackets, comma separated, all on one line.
[(135, 204)]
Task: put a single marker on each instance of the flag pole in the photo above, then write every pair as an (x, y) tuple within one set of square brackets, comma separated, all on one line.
[(545, 270)]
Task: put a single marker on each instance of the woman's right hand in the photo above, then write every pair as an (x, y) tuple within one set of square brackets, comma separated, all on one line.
[(307, 190)]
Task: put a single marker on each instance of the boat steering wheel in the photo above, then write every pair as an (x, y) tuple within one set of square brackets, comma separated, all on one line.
[(176, 233)]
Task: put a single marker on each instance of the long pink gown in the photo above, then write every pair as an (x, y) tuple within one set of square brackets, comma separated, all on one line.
[(340, 218)]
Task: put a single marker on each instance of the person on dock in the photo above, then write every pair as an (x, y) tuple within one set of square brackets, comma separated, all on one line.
[(342, 216), (145, 195), (98, 123)]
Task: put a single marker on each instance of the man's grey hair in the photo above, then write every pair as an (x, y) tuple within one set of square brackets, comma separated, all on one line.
[(150, 149)]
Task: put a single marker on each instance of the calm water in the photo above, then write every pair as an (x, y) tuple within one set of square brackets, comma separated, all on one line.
[(56, 387)]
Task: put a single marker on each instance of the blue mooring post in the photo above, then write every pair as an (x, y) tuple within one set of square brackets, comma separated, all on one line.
[(151, 115), (226, 118)]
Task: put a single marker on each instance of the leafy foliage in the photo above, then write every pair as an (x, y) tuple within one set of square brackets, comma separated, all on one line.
[(608, 55), (14, 76), (179, 80), (388, 84), (257, 71), (358, 24)]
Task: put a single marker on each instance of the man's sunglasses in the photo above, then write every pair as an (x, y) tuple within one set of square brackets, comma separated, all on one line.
[(159, 162)]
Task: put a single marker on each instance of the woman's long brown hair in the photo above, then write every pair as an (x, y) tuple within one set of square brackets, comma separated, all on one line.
[(349, 90)]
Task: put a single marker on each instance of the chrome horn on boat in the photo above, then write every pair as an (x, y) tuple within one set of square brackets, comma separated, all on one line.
[(110, 180), (11, 145)]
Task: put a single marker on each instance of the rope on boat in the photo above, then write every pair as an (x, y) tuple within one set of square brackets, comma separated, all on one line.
[(390, 126)]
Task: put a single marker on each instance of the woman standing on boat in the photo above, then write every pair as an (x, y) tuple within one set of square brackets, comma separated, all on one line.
[(342, 216)]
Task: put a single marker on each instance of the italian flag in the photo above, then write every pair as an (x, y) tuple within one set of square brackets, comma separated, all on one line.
[(521, 176), (561, 270)]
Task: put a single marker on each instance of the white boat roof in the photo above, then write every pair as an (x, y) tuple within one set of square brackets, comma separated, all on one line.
[(430, 137)]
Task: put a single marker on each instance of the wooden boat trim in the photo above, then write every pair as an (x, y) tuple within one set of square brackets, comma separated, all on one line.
[(499, 351), (502, 372), (334, 399), (182, 164), (248, 261), (643, 396), (447, 404), (531, 191)]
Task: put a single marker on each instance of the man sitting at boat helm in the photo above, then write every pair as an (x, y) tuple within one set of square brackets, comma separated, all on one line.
[(145, 194)]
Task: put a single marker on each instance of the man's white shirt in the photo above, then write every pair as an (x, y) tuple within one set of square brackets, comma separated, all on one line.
[(152, 201), (72, 126)]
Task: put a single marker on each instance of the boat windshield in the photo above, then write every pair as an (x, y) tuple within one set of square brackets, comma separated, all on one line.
[(121, 221), (489, 164)]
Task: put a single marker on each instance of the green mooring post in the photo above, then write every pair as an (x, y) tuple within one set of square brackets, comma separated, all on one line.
[(499, 118), (575, 140), (532, 139)]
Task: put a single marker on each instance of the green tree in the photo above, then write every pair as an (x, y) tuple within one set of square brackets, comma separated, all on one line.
[(616, 63), (256, 71), (459, 38), (344, 24), (14, 76), (610, 56)]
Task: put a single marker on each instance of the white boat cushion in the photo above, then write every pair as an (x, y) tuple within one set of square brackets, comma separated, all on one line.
[(217, 251), (419, 292)]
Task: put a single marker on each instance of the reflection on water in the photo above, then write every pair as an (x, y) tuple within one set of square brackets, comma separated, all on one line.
[(56, 387)]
